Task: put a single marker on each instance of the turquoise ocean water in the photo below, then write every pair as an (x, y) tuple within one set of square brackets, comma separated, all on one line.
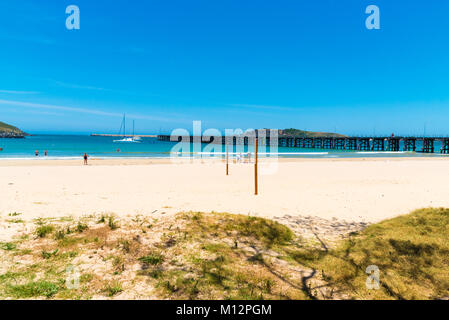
[(73, 147)]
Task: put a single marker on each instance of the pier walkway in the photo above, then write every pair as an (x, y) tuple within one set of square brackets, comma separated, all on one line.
[(391, 143)]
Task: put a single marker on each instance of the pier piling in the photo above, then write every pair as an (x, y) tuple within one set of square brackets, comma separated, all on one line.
[(256, 186), (390, 143), (445, 147), (428, 145)]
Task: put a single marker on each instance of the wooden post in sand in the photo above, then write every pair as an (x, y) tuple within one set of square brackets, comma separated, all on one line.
[(256, 191), (227, 159)]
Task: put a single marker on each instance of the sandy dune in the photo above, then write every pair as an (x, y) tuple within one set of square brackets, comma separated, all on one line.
[(366, 190)]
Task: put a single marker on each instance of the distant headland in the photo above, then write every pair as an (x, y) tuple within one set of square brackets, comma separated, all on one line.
[(9, 131), (308, 134)]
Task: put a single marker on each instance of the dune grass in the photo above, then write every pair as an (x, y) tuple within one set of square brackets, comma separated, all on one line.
[(197, 255), (33, 289), (411, 252), (227, 257)]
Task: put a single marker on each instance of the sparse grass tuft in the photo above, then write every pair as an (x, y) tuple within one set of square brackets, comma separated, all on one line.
[(125, 245), (44, 230), (112, 223), (25, 252), (15, 221), (85, 278), (113, 288), (60, 234), (81, 227), (33, 290), (14, 214), (8, 246), (152, 259), (48, 255)]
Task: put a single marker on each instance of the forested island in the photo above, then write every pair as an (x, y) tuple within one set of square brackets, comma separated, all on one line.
[(308, 134)]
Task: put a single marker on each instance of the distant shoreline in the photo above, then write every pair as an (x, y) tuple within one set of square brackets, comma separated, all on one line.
[(8, 135), (70, 147)]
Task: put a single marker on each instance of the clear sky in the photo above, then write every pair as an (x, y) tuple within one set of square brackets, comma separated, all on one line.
[(229, 63)]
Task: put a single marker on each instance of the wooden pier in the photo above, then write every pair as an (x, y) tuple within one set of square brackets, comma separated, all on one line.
[(391, 143), (409, 144)]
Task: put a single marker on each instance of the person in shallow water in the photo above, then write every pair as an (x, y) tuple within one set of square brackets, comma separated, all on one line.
[(45, 152), (85, 158), (36, 153)]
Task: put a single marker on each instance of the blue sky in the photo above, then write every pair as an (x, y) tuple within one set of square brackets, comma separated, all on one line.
[(231, 64)]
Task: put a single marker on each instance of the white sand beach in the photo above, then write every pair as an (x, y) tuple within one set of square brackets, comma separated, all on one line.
[(367, 190)]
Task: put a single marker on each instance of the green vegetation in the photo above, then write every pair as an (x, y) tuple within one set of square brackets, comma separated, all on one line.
[(113, 289), (197, 255), (228, 257), (8, 246), (81, 227), (15, 221), (152, 259), (112, 223), (308, 134), (48, 255), (14, 214), (44, 230), (267, 231), (33, 290), (411, 252), (60, 234)]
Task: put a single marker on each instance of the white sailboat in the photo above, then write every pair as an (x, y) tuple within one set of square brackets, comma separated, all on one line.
[(132, 139)]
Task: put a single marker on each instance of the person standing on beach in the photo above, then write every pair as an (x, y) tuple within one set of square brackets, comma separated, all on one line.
[(85, 158)]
